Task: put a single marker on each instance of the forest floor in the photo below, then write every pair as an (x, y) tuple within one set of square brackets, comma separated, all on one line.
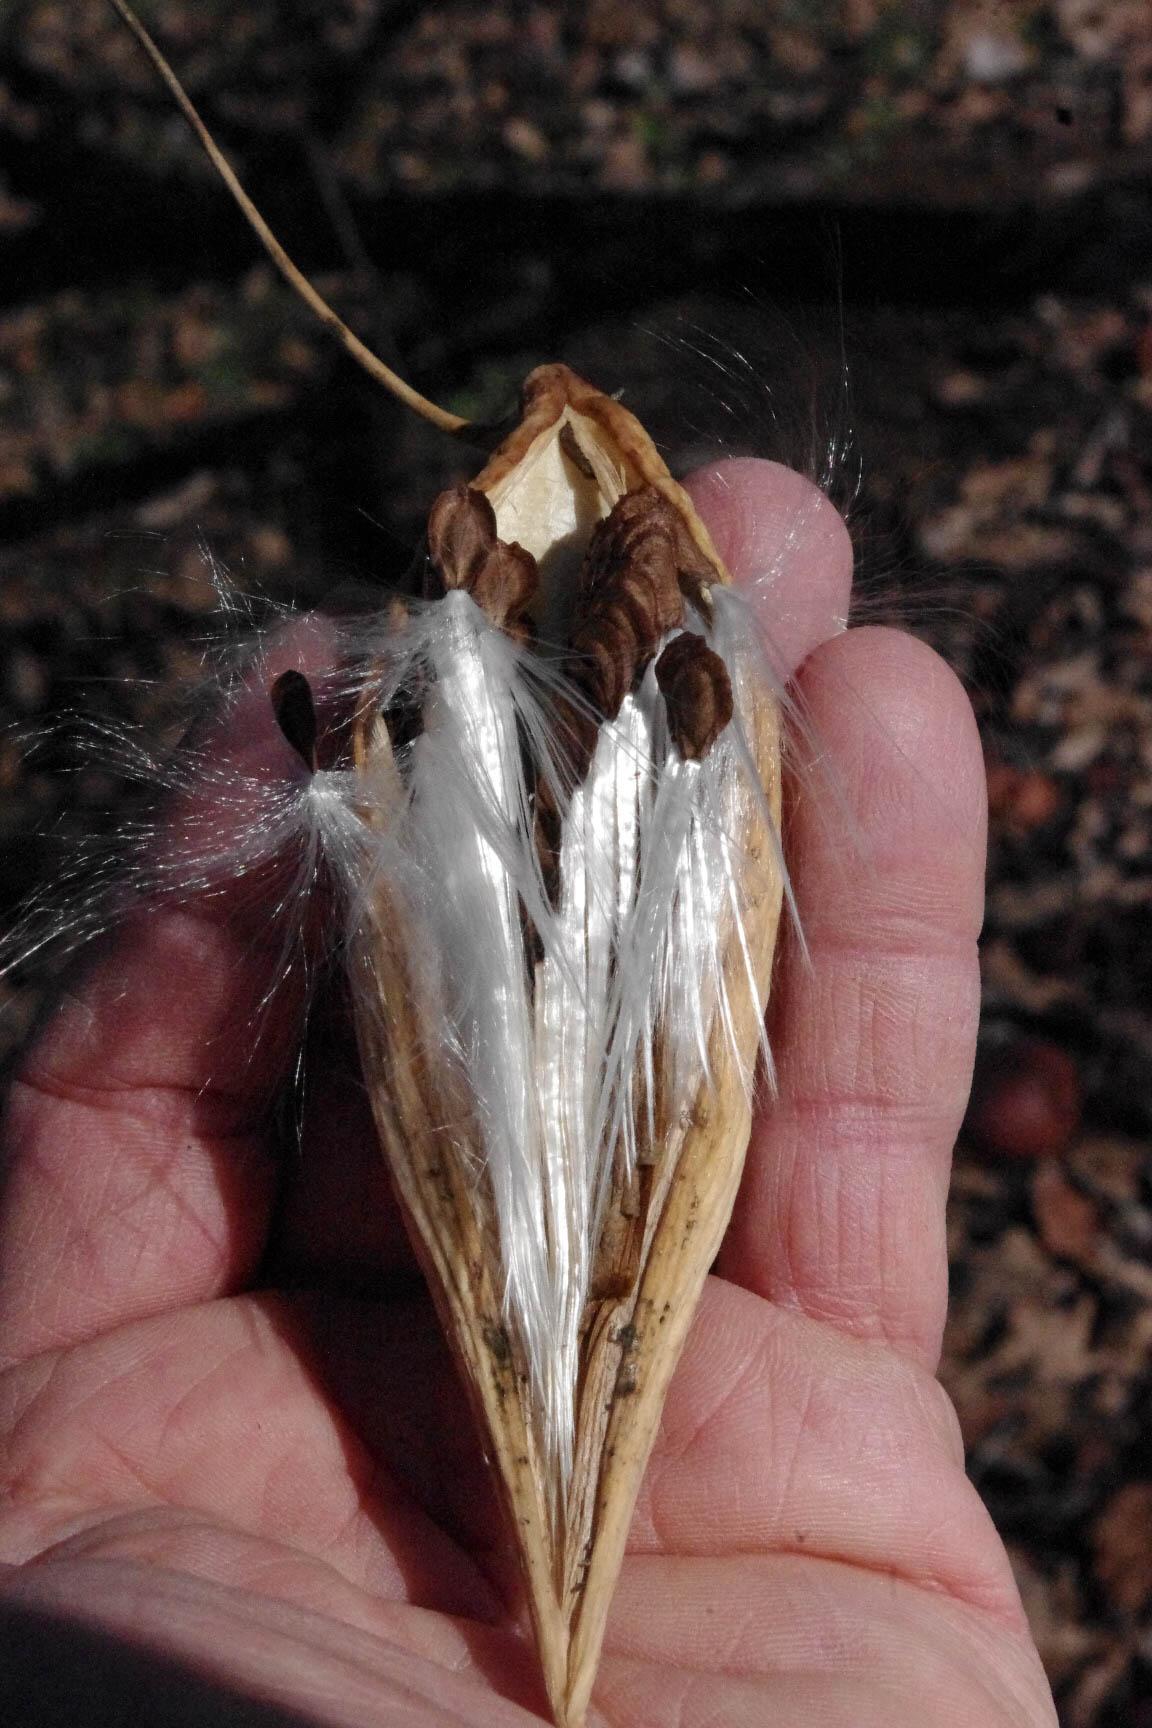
[(910, 260)]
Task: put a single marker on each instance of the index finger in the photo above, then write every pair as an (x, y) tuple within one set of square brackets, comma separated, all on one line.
[(841, 1211), (137, 1173)]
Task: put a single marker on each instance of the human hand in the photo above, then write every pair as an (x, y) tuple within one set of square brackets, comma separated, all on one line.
[(238, 1479)]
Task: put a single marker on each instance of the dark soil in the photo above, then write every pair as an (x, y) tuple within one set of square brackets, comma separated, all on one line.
[(903, 246)]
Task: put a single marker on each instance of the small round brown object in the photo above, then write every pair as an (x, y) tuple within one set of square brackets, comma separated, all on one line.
[(697, 693), (1026, 1100)]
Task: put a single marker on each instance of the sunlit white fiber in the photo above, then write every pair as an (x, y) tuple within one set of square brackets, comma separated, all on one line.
[(205, 829), (472, 836), (598, 864)]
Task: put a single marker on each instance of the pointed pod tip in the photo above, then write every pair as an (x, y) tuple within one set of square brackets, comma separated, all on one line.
[(569, 1705)]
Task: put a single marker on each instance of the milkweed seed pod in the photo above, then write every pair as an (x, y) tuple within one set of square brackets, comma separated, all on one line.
[(556, 837), (562, 960)]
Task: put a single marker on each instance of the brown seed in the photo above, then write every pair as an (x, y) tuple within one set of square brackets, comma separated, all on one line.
[(506, 585), (466, 551), (606, 657), (461, 535), (635, 546), (697, 693), (295, 710), (629, 597)]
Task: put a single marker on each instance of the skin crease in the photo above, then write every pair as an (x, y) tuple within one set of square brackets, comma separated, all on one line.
[(238, 1483)]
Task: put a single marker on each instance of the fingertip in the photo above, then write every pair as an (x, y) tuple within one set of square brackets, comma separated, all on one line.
[(785, 543), (895, 718), (914, 681), (842, 1206)]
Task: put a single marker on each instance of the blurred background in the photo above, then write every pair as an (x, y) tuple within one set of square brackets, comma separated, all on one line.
[(904, 246)]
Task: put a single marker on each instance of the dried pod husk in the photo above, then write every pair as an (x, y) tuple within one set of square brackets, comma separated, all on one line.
[(605, 554)]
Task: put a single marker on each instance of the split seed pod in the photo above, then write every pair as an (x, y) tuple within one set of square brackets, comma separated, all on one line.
[(566, 1267), (558, 838)]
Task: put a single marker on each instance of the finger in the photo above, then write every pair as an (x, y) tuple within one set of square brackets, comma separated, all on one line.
[(784, 1436), (338, 1222), (138, 1172), (285, 1420), (792, 1613), (805, 1630), (786, 546), (841, 1212), (113, 1643)]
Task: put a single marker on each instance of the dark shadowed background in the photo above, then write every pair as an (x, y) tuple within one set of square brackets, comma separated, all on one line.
[(907, 247)]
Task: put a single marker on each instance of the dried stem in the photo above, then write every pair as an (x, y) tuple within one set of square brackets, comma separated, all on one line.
[(293, 275)]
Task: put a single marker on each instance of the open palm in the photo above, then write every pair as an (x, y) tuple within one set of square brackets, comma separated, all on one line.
[(238, 1479)]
